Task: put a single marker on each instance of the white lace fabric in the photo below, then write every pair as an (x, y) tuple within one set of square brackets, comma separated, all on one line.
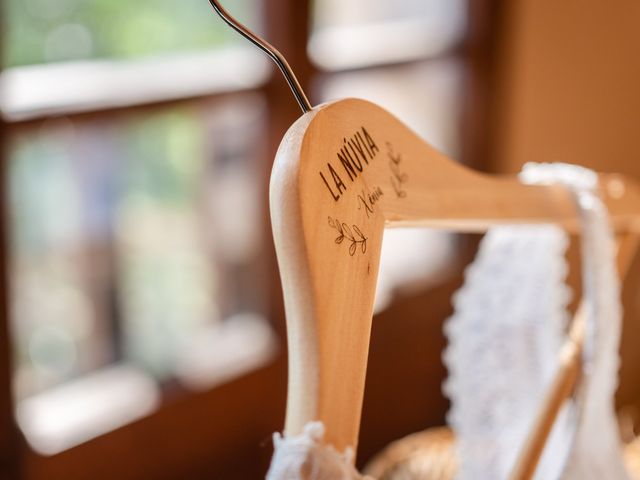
[(304, 457), (596, 452), (509, 324), (504, 337)]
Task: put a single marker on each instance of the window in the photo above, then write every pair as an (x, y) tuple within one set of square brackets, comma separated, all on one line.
[(136, 235), (41, 31), (365, 33), (139, 138)]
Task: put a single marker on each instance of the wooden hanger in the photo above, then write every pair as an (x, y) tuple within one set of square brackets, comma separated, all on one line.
[(344, 172)]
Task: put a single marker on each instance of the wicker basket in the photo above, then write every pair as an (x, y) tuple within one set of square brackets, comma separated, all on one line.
[(632, 458), (430, 455), (426, 455)]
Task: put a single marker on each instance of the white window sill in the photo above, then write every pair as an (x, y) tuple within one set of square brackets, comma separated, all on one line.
[(62, 88)]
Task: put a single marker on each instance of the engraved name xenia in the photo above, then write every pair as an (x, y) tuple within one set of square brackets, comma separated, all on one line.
[(359, 148)]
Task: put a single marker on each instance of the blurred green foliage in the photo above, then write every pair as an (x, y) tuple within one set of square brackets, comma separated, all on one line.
[(42, 31)]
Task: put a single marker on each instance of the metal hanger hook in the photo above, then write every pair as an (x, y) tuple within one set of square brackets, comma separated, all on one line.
[(270, 50)]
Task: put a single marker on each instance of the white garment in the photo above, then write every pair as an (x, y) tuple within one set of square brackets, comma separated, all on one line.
[(304, 457), (597, 452), (509, 323), (508, 326)]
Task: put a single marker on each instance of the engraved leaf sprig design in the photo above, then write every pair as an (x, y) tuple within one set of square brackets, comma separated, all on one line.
[(353, 234), (398, 177)]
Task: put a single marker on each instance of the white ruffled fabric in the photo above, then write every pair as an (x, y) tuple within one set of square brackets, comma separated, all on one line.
[(504, 337), (509, 324), (304, 457), (596, 453)]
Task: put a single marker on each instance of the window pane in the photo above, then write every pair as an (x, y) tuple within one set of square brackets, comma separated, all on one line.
[(43, 31), (427, 96), (58, 304), (136, 241), (366, 32)]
